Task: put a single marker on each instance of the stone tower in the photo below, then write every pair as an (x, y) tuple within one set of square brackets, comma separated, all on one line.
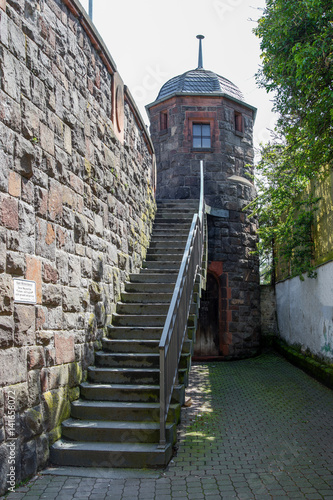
[(200, 115)]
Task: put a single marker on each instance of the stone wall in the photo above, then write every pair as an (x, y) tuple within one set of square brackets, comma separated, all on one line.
[(76, 205), (305, 313), (268, 310)]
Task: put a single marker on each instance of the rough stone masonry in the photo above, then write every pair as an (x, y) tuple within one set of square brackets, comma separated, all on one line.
[(76, 206)]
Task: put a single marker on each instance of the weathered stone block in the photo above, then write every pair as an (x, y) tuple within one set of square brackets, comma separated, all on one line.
[(55, 318), (80, 229), (34, 273), (16, 41), (16, 264), (46, 139), (71, 300), (27, 191), (74, 271), (51, 295), (62, 267), (45, 239), (86, 268), (13, 366), (24, 318), (100, 314), (6, 331), (55, 201), (4, 468), (10, 112), (97, 267), (99, 225), (5, 160), (42, 449), (3, 24), (34, 388), (14, 184), (6, 294), (9, 212), (29, 459), (10, 74), (64, 346), (36, 358), (25, 157), (50, 274), (96, 291), (74, 374), (30, 120), (56, 407), (18, 394), (31, 423)]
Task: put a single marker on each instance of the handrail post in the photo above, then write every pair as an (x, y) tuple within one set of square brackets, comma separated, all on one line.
[(162, 400)]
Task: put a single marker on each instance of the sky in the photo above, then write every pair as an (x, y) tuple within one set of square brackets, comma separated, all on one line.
[(152, 41)]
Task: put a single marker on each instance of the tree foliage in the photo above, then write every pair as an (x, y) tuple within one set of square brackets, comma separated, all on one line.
[(297, 64)]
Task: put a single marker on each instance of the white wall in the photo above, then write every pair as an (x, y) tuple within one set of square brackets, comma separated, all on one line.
[(305, 312)]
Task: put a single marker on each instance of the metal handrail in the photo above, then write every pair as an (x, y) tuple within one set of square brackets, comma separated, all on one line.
[(175, 326)]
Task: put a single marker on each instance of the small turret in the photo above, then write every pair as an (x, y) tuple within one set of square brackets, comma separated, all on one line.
[(200, 115)]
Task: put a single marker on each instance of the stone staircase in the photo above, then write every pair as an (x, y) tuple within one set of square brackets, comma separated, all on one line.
[(115, 423)]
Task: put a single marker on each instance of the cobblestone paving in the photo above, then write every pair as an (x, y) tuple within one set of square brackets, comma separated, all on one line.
[(257, 429)]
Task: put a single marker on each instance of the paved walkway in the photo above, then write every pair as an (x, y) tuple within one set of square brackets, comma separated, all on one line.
[(257, 429)]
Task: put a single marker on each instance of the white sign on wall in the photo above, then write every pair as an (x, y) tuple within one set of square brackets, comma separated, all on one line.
[(25, 291)]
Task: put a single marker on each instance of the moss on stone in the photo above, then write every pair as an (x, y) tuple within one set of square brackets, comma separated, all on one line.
[(56, 407), (316, 368)]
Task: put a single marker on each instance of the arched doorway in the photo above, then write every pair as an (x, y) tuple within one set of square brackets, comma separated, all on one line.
[(207, 337)]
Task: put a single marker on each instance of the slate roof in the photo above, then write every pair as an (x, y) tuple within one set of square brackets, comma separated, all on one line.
[(199, 81)]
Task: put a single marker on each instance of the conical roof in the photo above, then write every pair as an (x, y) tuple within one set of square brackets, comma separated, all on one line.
[(199, 81)]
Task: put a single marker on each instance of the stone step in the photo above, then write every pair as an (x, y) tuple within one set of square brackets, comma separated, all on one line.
[(161, 266), (164, 242), (172, 228), (174, 214), (179, 204), (137, 346), (134, 455), (173, 220), (120, 392), (131, 345), (127, 360), (160, 276), (144, 309), (147, 312), (106, 375), (149, 288), (124, 375), (110, 431), (122, 411), (146, 298), (159, 256), (136, 320), (137, 333)]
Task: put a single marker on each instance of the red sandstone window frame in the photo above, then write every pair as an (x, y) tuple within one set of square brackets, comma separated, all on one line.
[(198, 119), (204, 117)]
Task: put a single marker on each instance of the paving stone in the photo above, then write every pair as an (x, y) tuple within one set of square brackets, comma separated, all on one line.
[(254, 409)]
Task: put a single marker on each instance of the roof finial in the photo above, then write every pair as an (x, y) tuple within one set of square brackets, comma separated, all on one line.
[(200, 64)]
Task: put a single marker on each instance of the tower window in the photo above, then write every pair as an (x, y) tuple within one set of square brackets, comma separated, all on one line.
[(238, 122), (164, 120), (201, 135)]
